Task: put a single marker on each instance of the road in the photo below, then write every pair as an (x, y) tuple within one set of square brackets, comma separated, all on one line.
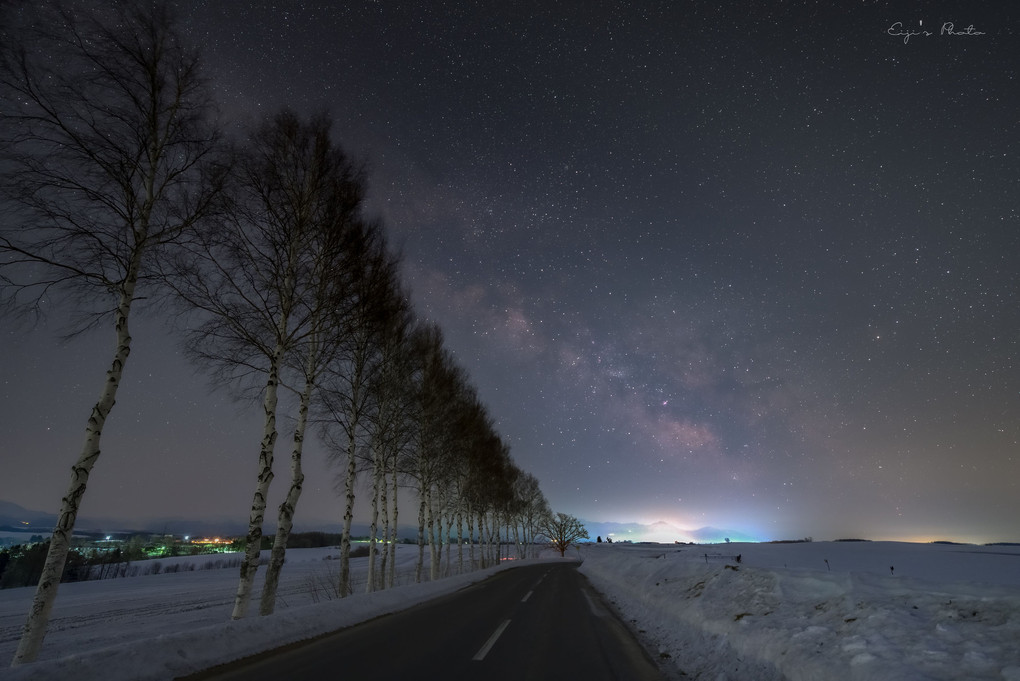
[(534, 622)]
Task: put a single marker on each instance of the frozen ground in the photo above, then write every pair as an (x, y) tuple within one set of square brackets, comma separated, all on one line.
[(941, 612)]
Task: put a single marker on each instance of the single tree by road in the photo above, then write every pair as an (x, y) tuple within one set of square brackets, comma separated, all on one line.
[(562, 530)]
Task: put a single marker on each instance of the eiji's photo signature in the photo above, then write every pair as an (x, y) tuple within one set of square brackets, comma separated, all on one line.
[(948, 28)]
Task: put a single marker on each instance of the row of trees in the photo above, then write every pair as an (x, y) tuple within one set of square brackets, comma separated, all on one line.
[(119, 187)]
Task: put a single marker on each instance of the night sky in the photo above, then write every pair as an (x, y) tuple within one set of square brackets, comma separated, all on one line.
[(754, 266)]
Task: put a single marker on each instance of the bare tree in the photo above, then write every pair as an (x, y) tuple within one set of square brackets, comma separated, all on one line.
[(255, 277), (344, 247), (532, 507), (388, 425), (487, 488), (107, 141), (396, 474), (562, 530), (470, 422), (347, 396), (437, 383)]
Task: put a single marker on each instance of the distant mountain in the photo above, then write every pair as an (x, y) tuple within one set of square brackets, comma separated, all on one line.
[(661, 532), (714, 535), (19, 519)]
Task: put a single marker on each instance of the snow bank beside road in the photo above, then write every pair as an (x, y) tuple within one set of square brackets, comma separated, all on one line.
[(192, 649), (186, 652), (771, 617)]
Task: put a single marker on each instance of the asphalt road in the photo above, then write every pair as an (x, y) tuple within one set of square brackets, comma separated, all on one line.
[(533, 622)]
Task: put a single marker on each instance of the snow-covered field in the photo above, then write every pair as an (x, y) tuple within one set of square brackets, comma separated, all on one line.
[(876, 611), (172, 624), (940, 612)]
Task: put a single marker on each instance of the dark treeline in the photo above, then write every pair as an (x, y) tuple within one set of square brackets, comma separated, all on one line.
[(312, 540), (22, 564), (119, 188)]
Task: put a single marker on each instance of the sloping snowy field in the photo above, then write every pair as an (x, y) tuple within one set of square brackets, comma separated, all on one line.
[(172, 624), (942, 612), (876, 611)]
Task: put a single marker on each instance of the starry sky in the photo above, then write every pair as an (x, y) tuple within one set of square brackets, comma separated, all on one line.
[(746, 265)]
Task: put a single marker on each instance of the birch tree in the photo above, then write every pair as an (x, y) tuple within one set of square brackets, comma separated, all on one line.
[(532, 507), (347, 395), (341, 246), (488, 490), (250, 278), (476, 431), (437, 382), (388, 422), (107, 143)]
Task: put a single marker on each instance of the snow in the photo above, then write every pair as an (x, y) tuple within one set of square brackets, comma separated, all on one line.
[(942, 612), (172, 624), (876, 611)]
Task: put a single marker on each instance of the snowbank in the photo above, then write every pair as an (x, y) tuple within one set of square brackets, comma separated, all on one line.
[(159, 627), (874, 611)]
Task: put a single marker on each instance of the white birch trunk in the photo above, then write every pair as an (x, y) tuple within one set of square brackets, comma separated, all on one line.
[(433, 549), (492, 525), (384, 557), (419, 568), (471, 537), (285, 519), (481, 541), (443, 539), (344, 587), (377, 480), (391, 578), (60, 543), (483, 556), (345, 539), (460, 541), (494, 549), (250, 562), (447, 545)]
